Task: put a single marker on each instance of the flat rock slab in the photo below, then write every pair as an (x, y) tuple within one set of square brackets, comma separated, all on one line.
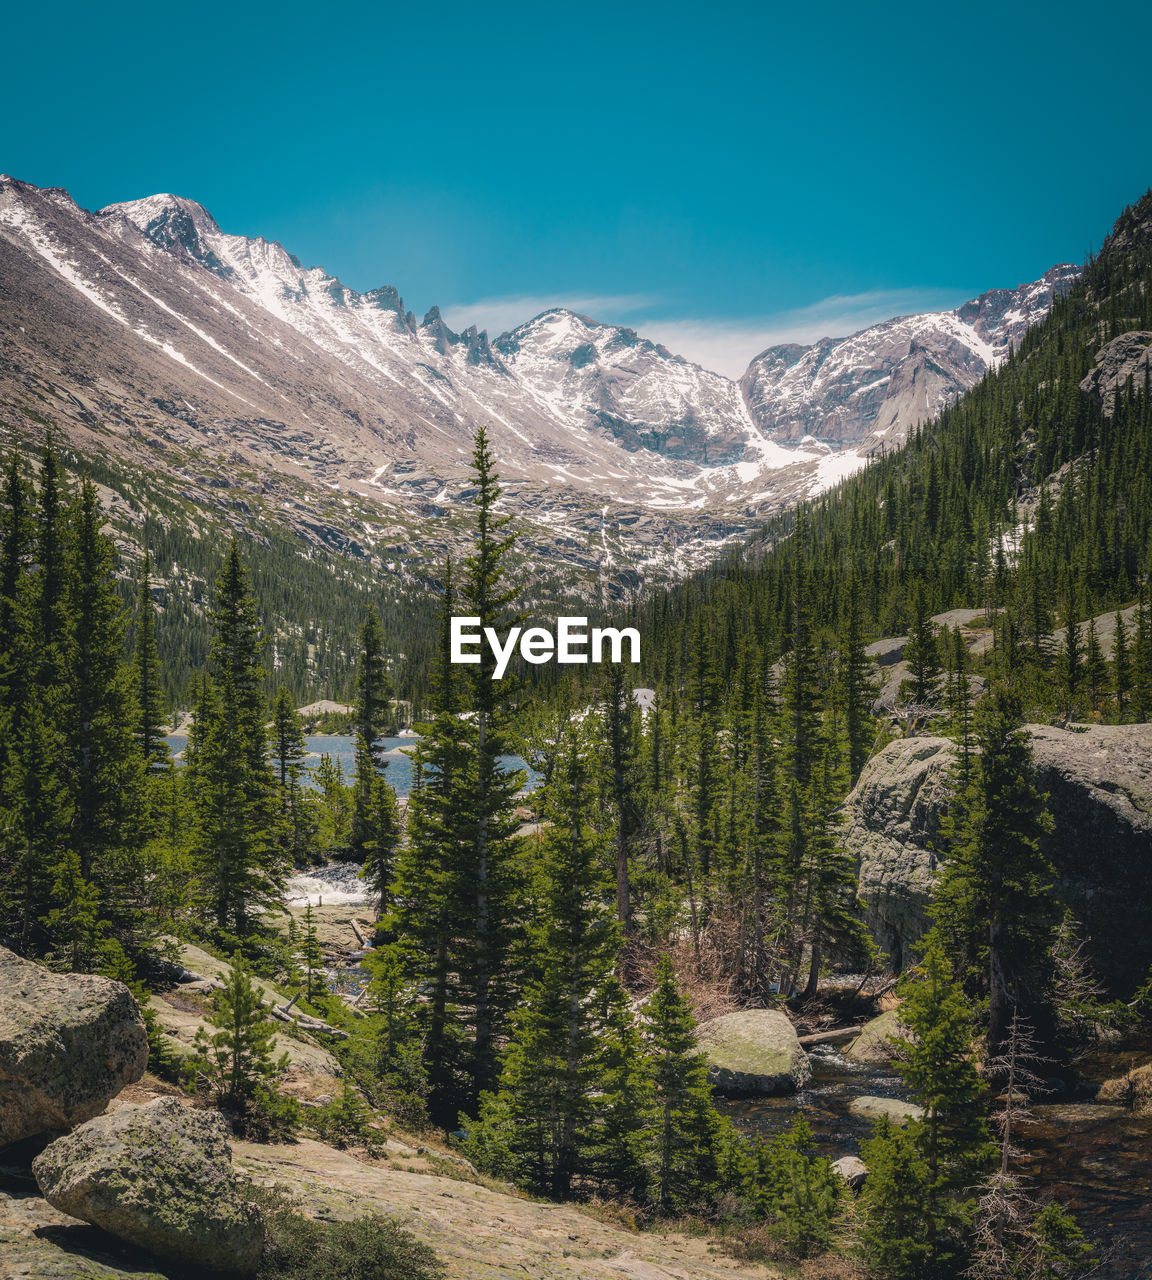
[(867, 1108), (181, 1026), (38, 1242), (68, 1043), (160, 1177), (755, 1051), (482, 1233)]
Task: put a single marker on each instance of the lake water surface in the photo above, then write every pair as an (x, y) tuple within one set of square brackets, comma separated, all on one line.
[(342, 749)]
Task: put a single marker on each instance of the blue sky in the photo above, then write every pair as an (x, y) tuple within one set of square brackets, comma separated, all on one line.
[(719, 176)]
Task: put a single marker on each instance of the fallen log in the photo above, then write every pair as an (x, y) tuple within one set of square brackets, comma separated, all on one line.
[(361, 937), (830, 1037), (307, 1023)]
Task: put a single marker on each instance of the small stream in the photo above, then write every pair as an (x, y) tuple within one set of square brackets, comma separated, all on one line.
[(1095, 1159), (835, 1082)]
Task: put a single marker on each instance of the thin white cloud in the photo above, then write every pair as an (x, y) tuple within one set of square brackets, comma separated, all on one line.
[(498, 315), (727, 346)]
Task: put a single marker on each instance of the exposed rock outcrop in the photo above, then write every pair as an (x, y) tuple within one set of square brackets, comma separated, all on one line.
[(68, 1043), (754, 1051), (1099, 784), (893, 823), (159, 1176), (1127, 356)]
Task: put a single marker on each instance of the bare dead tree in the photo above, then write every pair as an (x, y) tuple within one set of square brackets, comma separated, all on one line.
[(1012, 1069)]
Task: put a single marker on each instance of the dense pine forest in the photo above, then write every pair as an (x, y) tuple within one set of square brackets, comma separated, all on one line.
[(541, 959)]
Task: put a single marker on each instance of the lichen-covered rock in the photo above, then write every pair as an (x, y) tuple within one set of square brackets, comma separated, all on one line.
[(1099, 784), (159, 1176), (869, 1108), (68, 1043), (873, 1043), (754, 1051)]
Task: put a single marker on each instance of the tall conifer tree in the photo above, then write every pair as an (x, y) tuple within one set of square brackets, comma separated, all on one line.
[(242, 868)]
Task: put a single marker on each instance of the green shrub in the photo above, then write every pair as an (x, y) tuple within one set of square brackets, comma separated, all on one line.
[(369, 1248)]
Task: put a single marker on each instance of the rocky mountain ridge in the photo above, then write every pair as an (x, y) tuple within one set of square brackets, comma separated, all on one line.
[(219, 370), (867, 391)]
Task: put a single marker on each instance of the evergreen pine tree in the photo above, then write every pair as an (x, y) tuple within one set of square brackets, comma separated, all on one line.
[(857, 682), (994, 895), (935, 1063), (373, 695), (622, 752), (557, 1060), (684, 1137), (802, 709), (1070, 656), (149, 697), (236, 1060), (894, 1231), (793, 1188), (311, 957), (1095, 669), (487, 965), (74, 920), (429, 910), (923, 657), (830, 919), (104, 763), (289, 750), (1121, 669), (241, 866)]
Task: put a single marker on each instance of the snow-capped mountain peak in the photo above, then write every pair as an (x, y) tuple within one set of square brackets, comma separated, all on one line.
[(220, 356)]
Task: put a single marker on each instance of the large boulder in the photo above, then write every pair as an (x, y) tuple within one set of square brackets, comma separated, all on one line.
[(159, 1176), (754, 1051), (873, 1044), (68, 1043), (853, 1170), (1099, 784)]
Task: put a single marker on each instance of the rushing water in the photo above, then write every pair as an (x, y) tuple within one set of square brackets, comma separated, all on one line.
[(342, 749), (336, 884)]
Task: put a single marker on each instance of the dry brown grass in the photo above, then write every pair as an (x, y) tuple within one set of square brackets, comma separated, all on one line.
[(755, 1244), (705, 977), (1132, 1090)]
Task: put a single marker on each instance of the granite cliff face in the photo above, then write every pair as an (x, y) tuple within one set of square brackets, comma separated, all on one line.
[(1099, 785)]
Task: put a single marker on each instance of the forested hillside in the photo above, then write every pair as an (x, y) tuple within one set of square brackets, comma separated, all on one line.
[(1031, 499)]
